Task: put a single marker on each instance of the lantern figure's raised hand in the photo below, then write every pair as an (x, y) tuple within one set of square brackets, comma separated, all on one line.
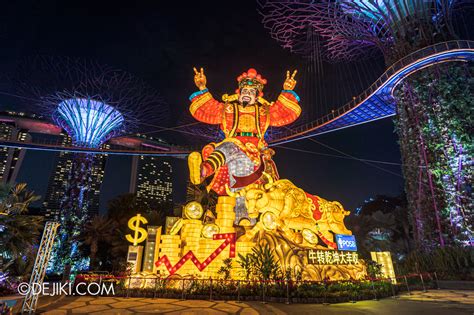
[(200, 79), (290, 81)]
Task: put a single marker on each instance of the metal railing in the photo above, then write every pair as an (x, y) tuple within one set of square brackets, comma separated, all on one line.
[(48, 144), (286, 291), (393, 70)]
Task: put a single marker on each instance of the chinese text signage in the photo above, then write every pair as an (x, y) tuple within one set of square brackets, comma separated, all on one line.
[(332, 257)]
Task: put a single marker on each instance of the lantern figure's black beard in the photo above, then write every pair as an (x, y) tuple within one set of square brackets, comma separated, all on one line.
[(245, 103)]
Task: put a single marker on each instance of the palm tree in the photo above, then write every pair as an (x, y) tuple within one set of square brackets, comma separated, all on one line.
[(16, 199), (199, 193), (98, 229), (19, 232)]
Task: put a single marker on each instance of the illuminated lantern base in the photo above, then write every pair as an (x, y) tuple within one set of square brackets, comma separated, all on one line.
[(195, 248), (385, 259), (134, 257), (306, 233)]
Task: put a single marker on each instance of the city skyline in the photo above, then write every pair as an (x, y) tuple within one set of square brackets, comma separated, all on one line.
[(149, 178)]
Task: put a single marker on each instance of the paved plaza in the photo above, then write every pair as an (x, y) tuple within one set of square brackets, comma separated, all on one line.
[(449, 302)]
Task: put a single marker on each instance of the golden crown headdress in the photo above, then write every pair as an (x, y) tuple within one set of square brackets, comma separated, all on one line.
[(251, 79)]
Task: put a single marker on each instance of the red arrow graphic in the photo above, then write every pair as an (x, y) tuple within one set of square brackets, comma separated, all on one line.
[(229, 239)]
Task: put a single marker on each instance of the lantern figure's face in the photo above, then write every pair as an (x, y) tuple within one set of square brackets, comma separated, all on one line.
[(248, 96)]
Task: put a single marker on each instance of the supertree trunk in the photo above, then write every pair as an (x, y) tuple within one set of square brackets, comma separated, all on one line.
[(434, 125), (75, 214)]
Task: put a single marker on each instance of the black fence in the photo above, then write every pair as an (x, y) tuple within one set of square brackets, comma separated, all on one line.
[(285, 291)]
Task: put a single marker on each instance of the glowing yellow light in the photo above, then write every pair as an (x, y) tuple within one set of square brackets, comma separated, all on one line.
[(193, 210), (140, 234), (310, 236), (385, 259), (245, 222), (176, 227), (269, 221), (209, 230)]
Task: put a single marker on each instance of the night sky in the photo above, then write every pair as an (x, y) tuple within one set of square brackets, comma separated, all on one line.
[(161, 45)]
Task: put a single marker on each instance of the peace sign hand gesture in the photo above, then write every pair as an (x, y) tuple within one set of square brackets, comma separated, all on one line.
[(290, 81), (200, 79)]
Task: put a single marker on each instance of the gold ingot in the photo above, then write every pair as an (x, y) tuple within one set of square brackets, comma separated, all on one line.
[(225, 222), (225, 215), (176, 227), (191, 232), (171, 244), (227, 230), (226, 200), (191, 222)]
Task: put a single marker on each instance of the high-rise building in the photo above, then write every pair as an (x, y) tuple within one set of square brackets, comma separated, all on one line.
[(151, 180), (18, 127), (11, 158), (61, 178)]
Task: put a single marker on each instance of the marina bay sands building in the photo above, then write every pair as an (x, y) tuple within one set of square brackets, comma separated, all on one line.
[(151, 177), (11, 158), (17, 127)]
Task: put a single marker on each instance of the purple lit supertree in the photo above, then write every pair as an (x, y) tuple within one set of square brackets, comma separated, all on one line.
[(351, 29), (435, 134), (92, 103)]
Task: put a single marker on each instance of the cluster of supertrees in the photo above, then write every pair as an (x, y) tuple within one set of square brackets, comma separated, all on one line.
[(351, 29), (433, 105), (92, 103)]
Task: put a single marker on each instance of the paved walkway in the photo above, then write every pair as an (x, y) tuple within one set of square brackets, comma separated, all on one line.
[(430, 303)]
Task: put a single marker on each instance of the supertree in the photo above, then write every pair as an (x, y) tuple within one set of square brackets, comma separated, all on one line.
[(92, 103), (434, 105), (350, 29)]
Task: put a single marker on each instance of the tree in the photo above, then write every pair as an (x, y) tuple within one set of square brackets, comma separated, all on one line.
[(19, 231), (260, 263), (225, 269), (98, 229), (120, 210), (382, 225)]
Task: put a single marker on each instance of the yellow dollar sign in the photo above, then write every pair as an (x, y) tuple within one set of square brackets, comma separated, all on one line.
[(134, 225)]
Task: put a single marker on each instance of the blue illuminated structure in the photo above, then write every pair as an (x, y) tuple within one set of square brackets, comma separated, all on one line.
[(92, 103), (89, 122), (377, 101), (377, 9)]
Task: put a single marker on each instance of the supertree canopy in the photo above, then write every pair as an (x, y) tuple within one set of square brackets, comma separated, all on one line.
[(350, 29), (89, 122), (92, 103), (433, 105)]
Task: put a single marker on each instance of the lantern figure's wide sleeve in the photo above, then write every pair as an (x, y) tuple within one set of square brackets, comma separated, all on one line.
[(205, 108), (285, 110)]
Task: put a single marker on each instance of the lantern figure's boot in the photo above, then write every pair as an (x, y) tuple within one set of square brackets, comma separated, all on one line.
[(199, 170), (194, 164)]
